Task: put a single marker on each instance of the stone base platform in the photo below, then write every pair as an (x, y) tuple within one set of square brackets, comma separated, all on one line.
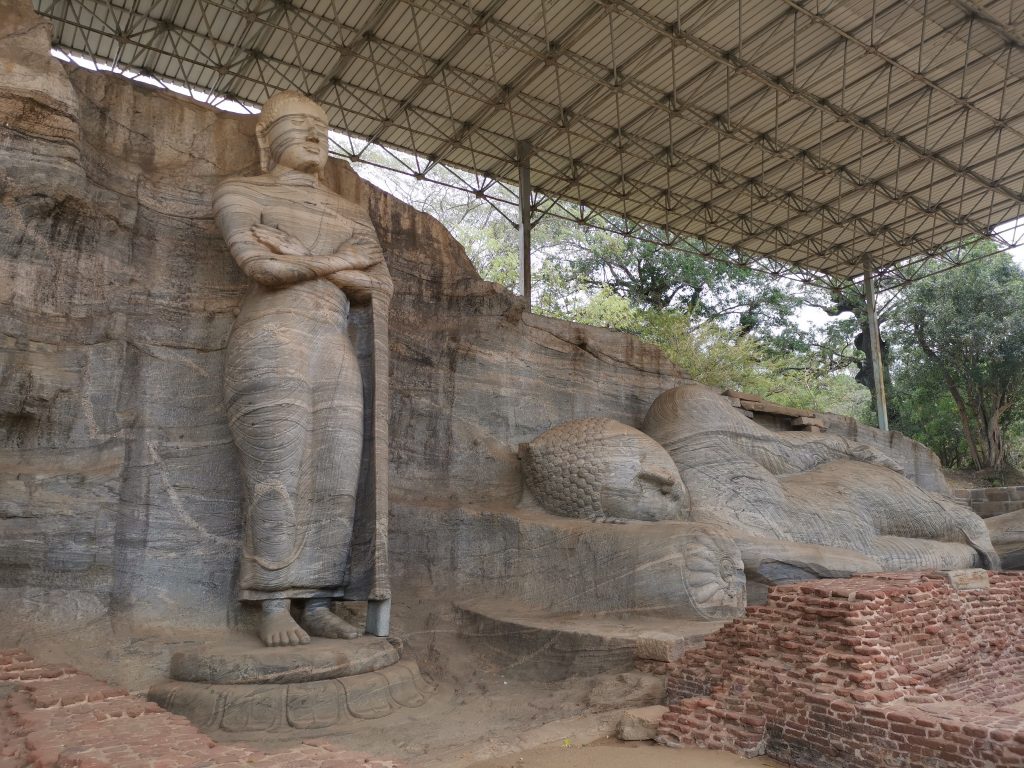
[(245, 660), (241, 688), (533, 645)]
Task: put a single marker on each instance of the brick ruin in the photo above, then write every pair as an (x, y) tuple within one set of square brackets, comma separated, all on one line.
[(881, 670), (56, 717)]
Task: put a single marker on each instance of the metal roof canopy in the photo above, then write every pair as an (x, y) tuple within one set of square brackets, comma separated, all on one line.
[(816, 132)]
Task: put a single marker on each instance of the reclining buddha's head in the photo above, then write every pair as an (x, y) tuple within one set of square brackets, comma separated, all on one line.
[(603, 468)]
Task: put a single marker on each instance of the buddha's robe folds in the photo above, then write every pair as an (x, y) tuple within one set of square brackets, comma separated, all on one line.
[(807, 488), (294, 398)]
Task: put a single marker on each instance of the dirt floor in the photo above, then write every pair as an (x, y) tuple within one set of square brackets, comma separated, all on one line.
[(608, 753), (480, 713)]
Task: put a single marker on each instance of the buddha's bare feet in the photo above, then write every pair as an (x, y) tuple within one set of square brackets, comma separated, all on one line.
[(321, 621), (277, 627)]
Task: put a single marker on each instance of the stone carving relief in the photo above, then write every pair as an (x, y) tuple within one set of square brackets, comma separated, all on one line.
[(811, 501), (293, 387), (809, 488), (600, 469)]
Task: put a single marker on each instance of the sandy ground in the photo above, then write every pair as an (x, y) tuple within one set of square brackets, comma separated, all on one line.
[(481, 715), (608, 753)]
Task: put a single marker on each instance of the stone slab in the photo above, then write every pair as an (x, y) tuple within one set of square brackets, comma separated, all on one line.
[(763, 406), (246, 660), (295, 709), (532, 645), (968, 578), (640, 724)]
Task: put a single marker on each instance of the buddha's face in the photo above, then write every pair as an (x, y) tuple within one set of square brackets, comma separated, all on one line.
[(642, 483), (299, 141)]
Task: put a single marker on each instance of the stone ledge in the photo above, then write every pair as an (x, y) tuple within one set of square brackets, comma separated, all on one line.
[(245, 660)]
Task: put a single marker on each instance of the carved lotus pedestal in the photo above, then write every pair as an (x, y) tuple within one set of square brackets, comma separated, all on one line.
[(242, 688)]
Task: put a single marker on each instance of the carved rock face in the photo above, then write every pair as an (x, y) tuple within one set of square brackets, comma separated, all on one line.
[(603, 468)]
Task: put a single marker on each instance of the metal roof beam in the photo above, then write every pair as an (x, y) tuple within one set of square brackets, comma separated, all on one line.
[(893, 64), (437, 68), (975, 11), (803, 206), (352, 52), (730, 130), (506, 93), (257, 41), (780, 84), (733, 130)]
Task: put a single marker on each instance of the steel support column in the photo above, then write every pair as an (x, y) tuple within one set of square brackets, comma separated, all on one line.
[(525, 275), (877, 369)]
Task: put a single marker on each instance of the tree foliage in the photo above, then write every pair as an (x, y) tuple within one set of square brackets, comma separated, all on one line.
[(727, 325), (954, 342), (963, 330)]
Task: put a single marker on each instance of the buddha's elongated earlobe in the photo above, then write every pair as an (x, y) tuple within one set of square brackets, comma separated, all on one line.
[(263, 145)]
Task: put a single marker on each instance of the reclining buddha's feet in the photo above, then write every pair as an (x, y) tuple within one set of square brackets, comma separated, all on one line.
[(277, 627), (319, 620)]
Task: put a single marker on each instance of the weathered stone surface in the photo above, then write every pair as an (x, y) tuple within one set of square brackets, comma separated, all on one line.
[(640, 724), (967, 578), (812, 489), (1007, 531), (36, 99), (246, 661), (808, 421), (992, 502), (528, 643), (120, 490), (599, 468), (560, 565), (918, 462), (295, 709)]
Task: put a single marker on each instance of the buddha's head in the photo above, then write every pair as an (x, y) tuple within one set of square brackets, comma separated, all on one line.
[(603, 468), (291, 132)]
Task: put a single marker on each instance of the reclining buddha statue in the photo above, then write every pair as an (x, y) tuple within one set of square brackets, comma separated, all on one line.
[(812, 497)]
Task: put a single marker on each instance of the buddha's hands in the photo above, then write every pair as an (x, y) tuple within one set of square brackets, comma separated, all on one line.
[(350, 258), (362, 285), (278, 241), (291, 249)]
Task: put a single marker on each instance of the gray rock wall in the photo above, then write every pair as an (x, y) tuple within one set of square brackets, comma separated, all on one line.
[(119, 490), (919, 462), (992, 502)]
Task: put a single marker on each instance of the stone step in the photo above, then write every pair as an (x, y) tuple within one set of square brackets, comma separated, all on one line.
[(245, 660), (533, 645), (295, 710)]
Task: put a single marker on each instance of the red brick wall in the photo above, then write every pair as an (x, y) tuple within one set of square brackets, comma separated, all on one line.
[(54, 717), (884, 670)]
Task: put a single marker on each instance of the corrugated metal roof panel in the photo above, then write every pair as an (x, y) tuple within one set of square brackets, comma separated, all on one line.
[(805, 131)]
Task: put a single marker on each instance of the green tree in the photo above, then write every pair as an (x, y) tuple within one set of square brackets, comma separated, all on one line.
[(695, 278), (967, 327), (727, 325)]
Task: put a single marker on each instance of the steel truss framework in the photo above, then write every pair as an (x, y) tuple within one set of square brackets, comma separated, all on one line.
[(814, 132)]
